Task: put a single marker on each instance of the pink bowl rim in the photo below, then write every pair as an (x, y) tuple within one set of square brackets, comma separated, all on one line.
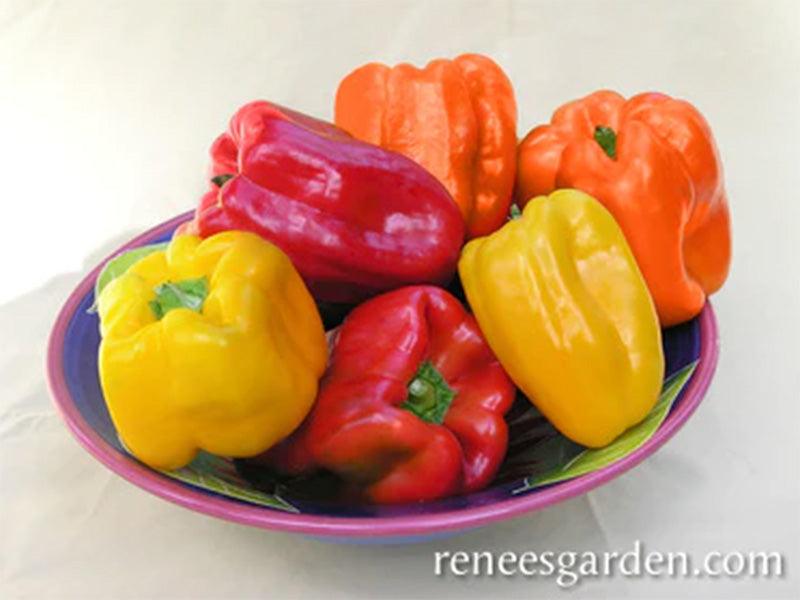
[(350, 527)]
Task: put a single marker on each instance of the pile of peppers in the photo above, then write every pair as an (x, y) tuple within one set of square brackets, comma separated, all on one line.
[(465, 269)]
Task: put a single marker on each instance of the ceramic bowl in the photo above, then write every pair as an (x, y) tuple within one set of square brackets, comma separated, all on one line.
[(72, 371)]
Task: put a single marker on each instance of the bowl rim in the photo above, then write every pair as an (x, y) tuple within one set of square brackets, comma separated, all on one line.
[(358, 527)]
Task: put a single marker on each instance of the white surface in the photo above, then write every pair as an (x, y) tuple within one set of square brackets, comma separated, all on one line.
[(107, 110)]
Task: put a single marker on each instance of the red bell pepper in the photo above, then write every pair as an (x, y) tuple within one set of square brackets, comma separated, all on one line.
[(354, 218), (411, 406)]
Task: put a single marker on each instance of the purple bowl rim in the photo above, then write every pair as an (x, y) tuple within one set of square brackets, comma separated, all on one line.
[(357, 527)]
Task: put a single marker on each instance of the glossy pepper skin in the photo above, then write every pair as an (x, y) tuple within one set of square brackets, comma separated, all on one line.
[(652, 161), (354, 218), (232, 374), (559, 297), (457, 118), (382, 357)]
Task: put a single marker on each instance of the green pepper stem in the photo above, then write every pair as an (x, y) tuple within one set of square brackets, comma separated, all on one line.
[(429, 396), (220, 180), (607, 138), (189, 293)]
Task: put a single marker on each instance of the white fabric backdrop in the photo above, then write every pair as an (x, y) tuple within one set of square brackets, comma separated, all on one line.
[(106, 112)]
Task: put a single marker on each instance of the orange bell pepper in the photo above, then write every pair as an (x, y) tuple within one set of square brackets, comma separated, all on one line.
[(457, 118), (652, 161)]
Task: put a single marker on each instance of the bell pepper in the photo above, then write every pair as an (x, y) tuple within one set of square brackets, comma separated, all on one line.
[(652, 161), (411, 406), (565, 309), (355, 219), (457, 118), (213, 345)]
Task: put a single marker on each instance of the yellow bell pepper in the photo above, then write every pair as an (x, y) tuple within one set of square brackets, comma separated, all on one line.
[(567, 312), (209, 344)]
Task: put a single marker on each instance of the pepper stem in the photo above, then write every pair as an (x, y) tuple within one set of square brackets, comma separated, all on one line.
[(189, 293), (429, 396), (220, 180), (607, 138)]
